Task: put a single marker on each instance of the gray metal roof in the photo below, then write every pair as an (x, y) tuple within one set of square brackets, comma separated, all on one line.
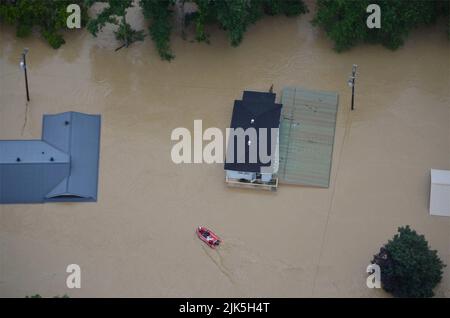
[(30, 151), (63, 166), (78, 135)]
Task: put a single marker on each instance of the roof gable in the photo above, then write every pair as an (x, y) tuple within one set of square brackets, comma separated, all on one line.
[(79, 135), (63, 166), (259, 111)]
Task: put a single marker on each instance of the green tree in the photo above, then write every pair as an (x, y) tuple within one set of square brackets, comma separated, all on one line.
[(344, 21), (159, 14), (409, 268), (446, 14), (50, 17), (115, 13), (234, 16), (39, 296), (286, 7)]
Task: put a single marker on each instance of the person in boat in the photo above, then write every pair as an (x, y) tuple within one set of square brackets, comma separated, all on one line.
[(207, 236), (210, 239)]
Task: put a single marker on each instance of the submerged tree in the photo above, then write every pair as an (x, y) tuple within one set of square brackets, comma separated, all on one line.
[(234, 16), (409, 268), (446, 14), (115, 13), (39, 296), (48, 16), (159, 13), (345, 21)]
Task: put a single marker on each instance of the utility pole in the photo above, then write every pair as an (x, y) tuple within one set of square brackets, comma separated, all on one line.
[(351, 83), (23, 65)]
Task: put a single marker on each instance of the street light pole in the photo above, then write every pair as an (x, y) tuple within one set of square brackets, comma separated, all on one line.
[(23, 64), (351, 83)]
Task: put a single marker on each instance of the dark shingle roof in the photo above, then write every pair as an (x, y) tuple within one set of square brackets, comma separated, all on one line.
[(257, 110)]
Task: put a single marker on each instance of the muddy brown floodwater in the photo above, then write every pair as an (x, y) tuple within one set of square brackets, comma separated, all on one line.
[(139, 240)]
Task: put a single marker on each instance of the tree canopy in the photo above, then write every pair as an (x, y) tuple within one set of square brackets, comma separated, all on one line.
[(345, 21), (409, 268), (159, 14), (233, 16), (115, 13), (48, 16)]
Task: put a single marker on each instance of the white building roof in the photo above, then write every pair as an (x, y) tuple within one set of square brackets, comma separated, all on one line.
[(440, 192), (440, 176)]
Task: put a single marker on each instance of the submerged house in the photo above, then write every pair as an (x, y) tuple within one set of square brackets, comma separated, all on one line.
[(301, 132), (61, 167), (252, 157)]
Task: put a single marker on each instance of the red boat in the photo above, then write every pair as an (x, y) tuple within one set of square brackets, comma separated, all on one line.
[(208, 236)]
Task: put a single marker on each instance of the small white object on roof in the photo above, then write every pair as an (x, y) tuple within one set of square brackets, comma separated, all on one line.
[(440, 192)]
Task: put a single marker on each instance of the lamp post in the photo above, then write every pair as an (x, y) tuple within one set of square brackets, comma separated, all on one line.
[(23, 65), (351, 83)]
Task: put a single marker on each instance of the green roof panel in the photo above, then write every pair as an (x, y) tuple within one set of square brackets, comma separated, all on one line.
[(307, 128)]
